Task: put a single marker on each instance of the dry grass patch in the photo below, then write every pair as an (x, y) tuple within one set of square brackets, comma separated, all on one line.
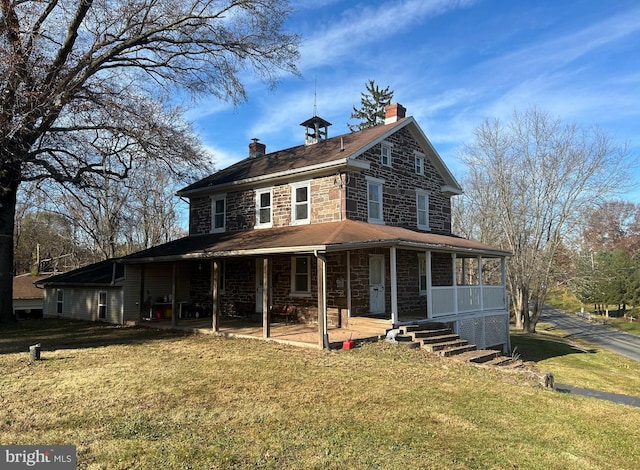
[(144, 399)]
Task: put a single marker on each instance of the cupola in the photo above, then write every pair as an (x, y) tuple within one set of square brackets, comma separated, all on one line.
[(315, 130)]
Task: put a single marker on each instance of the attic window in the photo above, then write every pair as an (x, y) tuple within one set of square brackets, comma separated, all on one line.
[(385, 154), (419, 163)]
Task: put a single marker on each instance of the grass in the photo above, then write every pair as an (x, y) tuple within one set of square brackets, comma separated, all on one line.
[(578, 363), (132, 398)]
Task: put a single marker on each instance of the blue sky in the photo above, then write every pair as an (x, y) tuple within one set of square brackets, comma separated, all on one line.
[(451, 63)]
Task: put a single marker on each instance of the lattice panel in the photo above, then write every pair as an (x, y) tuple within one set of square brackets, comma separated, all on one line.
[(495, 330)]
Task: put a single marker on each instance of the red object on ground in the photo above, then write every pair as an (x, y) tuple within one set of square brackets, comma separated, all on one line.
[(348, 344)]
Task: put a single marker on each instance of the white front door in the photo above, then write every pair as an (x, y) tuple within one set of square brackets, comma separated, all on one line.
[(376, 284)]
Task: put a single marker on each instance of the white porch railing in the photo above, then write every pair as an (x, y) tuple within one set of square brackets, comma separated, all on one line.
[(466, 299)]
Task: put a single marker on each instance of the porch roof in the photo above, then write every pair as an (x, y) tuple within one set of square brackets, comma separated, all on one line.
[(327, 237)]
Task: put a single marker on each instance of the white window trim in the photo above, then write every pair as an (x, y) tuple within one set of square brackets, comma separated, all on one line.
[(424, 194), (214, 199), (294, 187), (59, 301), (305, 293), (380, 183), (421, 157), (106, 302), (388, 146), (259, 192)]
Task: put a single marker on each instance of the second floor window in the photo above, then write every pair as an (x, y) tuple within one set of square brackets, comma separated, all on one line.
[(218, 207), (300, 203), (263, 208), (374, 201), (422, 204)]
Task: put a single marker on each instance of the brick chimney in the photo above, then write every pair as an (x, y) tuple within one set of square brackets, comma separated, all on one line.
[(394, 112), (257, 149)]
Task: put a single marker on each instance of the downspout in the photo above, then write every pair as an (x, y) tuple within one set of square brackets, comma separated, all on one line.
[(322, 316)]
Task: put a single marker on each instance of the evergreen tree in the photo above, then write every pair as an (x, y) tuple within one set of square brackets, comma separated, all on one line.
[(371, 112)]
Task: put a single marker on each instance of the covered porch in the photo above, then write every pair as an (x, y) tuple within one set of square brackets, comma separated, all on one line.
[(344, 275)]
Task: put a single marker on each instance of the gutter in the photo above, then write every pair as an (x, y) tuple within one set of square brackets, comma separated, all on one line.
[(348, 163)]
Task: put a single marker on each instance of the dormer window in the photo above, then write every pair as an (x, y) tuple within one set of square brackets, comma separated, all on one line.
[(300, 203), (218, 212), (385, 154), (264, 199)]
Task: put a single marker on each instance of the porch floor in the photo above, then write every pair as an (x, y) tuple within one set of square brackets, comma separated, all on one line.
[(296, 334)]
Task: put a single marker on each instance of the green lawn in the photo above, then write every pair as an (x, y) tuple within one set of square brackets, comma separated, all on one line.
[(578, 363), (132, 398)]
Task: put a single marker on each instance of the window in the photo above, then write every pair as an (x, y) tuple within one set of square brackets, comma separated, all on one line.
[(263, 208), (422, 272), (374, 200), (385, 154), (300, 275), (300, 203), (422, 204), (102, 305), (419, 164), (218, 208), (59, 300)]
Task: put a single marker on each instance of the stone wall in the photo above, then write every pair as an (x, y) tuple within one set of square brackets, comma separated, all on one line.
[(340, 196), (399, 188)]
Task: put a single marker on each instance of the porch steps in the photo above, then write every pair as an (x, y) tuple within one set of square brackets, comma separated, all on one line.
[(439, 339)]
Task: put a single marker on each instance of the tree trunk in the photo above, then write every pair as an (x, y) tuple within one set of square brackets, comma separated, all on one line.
[(9, 183)]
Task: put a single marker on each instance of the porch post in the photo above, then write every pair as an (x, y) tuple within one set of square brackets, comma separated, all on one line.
[(174, 314), (266, 317), (215, 298), (480, 283), (455, 284), (394, 286), (348, 286), (323, 339), (429, 286), (503, 273)]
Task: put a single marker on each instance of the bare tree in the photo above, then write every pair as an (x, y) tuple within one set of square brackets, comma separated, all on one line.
[(86, 85), (531, 178)]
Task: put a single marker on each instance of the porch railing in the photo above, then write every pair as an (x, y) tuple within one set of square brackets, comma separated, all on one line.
[(467, 299)]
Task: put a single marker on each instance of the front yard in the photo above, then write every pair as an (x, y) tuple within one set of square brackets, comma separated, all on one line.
[(140, 398)]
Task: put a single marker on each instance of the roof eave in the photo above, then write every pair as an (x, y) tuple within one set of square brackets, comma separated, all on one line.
[(348, 163)]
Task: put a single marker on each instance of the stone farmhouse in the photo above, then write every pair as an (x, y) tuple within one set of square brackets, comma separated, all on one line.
[(335, 232)]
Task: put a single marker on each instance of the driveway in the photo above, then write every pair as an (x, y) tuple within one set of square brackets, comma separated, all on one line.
[(599, 335)]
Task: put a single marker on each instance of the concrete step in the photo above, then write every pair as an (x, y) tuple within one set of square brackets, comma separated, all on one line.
[(436, 347), (405, 338), (500, 361), (479, 356), (439, 339), (454, 351), (430, 333)]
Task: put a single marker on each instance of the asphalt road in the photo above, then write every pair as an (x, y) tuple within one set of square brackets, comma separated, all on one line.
[(599, 335)]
